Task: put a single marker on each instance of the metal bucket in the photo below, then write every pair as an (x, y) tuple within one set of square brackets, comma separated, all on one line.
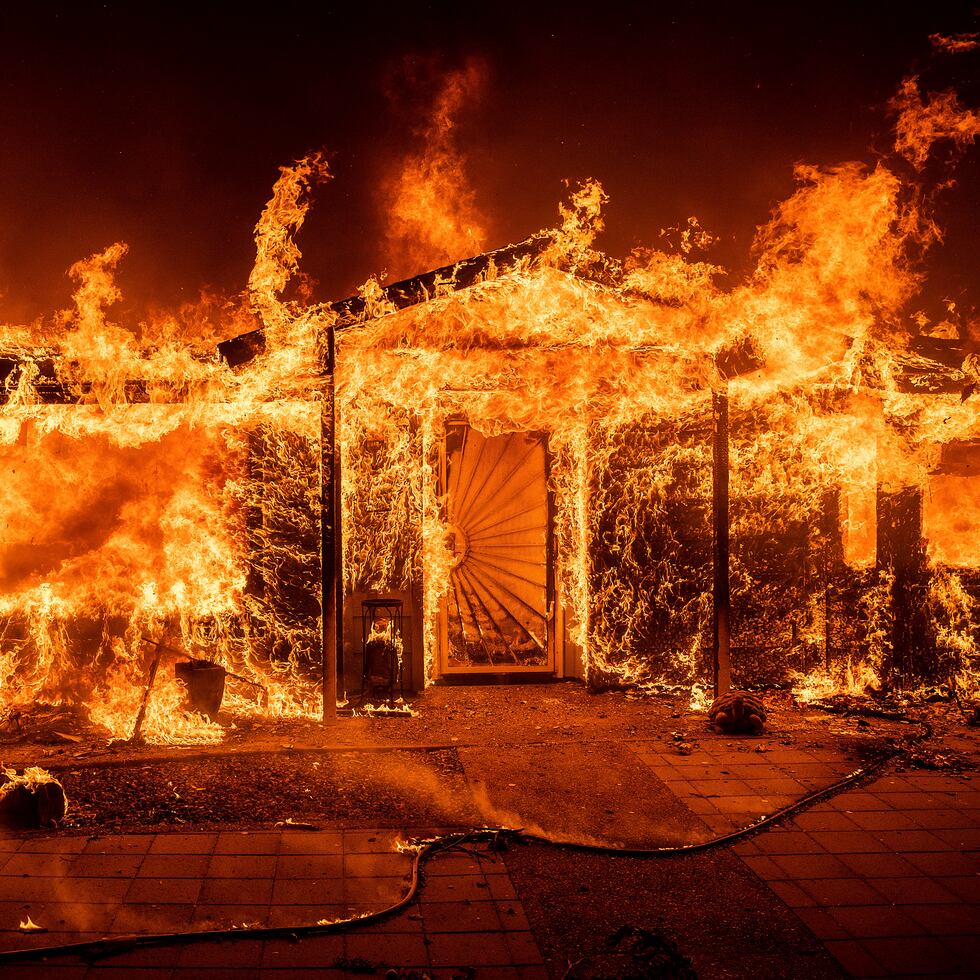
[(205, 684)]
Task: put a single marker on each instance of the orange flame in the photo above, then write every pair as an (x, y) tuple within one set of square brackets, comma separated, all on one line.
[(154, 491), (955, 43), (433, 218), (922, 123)]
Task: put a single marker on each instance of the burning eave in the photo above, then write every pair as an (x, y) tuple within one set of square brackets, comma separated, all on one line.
[(238, 351), (936, 365)]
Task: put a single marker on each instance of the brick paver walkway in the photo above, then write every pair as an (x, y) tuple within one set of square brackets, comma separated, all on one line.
[(80, 889), (887, 876), (730, 784)]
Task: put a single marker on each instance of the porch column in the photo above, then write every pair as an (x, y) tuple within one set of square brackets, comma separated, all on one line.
[(330, 617), (722, 596), (902, 550)]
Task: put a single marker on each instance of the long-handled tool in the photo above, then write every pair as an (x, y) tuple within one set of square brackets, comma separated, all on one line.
[(141, 714)]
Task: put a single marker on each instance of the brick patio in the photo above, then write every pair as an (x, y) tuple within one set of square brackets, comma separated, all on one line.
[(886, 876), (82, 889), (731, 784)]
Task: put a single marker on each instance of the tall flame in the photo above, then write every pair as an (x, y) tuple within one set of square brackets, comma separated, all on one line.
[(433, 218)]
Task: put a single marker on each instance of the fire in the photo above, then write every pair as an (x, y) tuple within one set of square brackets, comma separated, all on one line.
[(921, 123), (131, 511), (432, 214), (616, 363), (154, 490), (955, 43)]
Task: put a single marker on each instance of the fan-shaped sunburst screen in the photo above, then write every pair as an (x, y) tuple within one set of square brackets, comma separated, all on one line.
[(497, 507)]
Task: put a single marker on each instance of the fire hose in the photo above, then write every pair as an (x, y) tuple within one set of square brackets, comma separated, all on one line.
[(425, 849)]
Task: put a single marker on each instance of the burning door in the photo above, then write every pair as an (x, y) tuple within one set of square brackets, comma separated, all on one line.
[(497, 611)]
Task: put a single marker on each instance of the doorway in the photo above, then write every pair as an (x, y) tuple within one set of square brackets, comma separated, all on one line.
[(498, 614)]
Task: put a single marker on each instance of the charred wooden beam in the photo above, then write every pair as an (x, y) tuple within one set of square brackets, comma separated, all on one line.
[(901, 550), (949, 352), (720, 528), (51, 389), (960, 458), (46, 384), (741, 356), (920, 376), (463, 274), (243, 348), (937, 365), (409, 292)]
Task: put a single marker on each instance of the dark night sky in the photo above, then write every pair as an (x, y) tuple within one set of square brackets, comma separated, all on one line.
[(142, 123)]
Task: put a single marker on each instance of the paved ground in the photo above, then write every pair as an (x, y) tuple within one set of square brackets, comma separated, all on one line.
[(81, 889), (885, 878)]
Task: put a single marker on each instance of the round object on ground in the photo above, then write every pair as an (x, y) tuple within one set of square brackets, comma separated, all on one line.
[(34, 799), (737, 713)]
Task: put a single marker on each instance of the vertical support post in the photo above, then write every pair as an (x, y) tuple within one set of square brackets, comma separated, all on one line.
[(338, 534), (328, 532), (254, 517), (901, 549), (832, 548), (722, 595)]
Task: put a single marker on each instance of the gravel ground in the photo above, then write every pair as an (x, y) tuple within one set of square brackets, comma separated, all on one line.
[(716, 912), (553, 745), (486, 715), (328, 789)]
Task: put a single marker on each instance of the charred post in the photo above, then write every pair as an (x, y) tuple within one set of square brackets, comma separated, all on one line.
[(831, 561), (331, 619), (901, 551), (254, 517), (722, 595)]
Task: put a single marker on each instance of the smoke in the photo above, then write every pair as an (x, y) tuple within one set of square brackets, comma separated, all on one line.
[(500, 816)]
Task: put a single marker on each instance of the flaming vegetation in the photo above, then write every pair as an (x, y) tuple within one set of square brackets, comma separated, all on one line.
[(153, 491)]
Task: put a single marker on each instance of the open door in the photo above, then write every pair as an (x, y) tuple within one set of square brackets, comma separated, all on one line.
[(498, 614)]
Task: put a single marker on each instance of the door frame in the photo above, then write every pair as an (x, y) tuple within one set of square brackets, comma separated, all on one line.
[(555, 665)]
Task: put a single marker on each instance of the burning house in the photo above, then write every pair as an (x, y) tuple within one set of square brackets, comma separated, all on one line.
[(541, 462), (564, 466)]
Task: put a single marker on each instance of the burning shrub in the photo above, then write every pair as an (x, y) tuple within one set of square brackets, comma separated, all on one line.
[(33, 798)]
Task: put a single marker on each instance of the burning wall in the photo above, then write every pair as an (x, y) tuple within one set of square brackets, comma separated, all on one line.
[(155, 490), (153, 495), (833, 417)]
